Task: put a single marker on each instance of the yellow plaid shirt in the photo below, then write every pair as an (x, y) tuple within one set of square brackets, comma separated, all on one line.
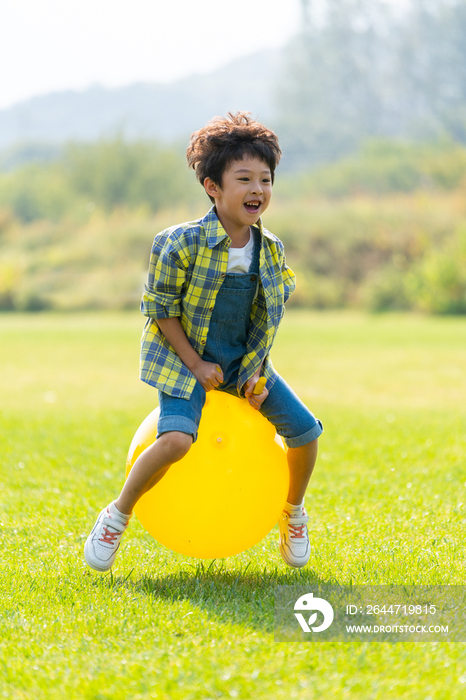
[(187, 266)]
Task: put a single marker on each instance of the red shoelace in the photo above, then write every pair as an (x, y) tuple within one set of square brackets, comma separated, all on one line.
[(109, 537), (296, 531)]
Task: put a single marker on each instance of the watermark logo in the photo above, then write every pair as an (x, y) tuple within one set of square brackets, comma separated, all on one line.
[(384, 613), (308, 603)]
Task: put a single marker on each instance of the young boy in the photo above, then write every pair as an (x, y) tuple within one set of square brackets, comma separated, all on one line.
[(214, 300)]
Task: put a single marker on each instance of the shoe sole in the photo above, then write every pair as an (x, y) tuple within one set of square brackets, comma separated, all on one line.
[(296, 565), (93, 564)]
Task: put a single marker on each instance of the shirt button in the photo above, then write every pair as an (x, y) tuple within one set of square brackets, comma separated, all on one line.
[(253, 278), (202, 342), (211, 308), (223, 274)]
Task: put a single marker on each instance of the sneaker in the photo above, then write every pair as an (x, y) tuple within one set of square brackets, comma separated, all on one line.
[(102, 544), (294, 542)]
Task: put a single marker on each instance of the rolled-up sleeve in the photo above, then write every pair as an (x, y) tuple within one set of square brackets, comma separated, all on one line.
[(167, 275), (289, 281)]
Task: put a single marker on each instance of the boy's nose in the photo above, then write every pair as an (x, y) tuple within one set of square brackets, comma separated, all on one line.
[(256, 188)]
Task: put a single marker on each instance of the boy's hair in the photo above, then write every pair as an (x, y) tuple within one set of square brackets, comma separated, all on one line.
[(225, 139)]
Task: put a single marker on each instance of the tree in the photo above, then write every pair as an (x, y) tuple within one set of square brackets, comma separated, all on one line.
[(360, 69)]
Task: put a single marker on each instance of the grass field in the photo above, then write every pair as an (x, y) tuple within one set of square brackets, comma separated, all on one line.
[(387, 504)]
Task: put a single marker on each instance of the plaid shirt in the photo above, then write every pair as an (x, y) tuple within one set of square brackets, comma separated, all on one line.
[(187, 266)]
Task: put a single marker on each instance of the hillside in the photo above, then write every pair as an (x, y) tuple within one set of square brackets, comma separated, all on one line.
[(142, 110)]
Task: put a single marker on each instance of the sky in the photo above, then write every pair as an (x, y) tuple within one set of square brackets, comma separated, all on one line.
[(51, 45)]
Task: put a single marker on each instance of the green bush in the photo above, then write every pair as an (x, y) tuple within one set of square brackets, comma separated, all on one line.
[(107, 174), (385, 290), (114, 173), (77, 233), (437, 283), (384, 166), (37, 192)]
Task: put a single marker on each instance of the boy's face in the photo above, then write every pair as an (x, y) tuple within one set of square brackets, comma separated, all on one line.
[(245, 192)]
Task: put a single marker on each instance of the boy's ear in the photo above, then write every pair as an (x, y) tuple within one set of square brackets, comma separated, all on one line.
[(211, 188)]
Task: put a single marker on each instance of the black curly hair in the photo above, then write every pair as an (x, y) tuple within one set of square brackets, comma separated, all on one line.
[(225, 139)]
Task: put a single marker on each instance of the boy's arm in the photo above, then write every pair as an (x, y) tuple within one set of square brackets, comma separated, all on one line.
[(208, 374)]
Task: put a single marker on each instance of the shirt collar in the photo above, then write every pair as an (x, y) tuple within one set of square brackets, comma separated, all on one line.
[(215, 233)]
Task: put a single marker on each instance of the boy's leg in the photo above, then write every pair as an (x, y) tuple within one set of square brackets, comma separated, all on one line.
[(151, 466), (301, 462), (300, 430), (103, 542), (177, 429)]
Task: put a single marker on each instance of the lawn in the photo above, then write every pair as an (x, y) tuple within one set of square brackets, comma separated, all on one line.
[(387, 504)]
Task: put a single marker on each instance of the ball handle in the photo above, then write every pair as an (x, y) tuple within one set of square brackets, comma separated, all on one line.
[(259, 388)]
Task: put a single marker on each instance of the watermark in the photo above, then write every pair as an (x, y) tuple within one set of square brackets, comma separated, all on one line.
[(391, 613)]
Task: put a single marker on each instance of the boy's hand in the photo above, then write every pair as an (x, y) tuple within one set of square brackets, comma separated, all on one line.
[(255, 400), (209, 374)]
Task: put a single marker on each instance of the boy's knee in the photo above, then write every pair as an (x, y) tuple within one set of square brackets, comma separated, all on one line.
[(178, 444)]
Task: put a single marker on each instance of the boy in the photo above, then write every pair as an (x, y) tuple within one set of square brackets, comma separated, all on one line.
[(214, 300)]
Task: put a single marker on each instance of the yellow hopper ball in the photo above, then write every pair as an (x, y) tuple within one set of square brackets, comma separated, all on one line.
[(227, 493)]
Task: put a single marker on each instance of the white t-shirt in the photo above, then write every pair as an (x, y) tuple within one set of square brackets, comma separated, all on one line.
[(239, 259)]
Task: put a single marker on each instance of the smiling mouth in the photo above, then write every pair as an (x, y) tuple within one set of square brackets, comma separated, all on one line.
[(252, 206)]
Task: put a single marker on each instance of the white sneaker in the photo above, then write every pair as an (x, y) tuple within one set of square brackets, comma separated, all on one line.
[(102, 544), (294, 542)]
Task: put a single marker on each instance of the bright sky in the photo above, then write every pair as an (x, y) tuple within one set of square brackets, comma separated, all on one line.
[(48, 45)]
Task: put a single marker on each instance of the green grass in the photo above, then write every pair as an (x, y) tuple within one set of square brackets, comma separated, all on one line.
[(387, 505)]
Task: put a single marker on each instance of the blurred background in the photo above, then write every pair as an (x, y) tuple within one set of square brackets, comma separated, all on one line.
[(368, 98)]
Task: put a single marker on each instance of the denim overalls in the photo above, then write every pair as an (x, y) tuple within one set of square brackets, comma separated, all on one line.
[(228, 328), (226, 345)]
